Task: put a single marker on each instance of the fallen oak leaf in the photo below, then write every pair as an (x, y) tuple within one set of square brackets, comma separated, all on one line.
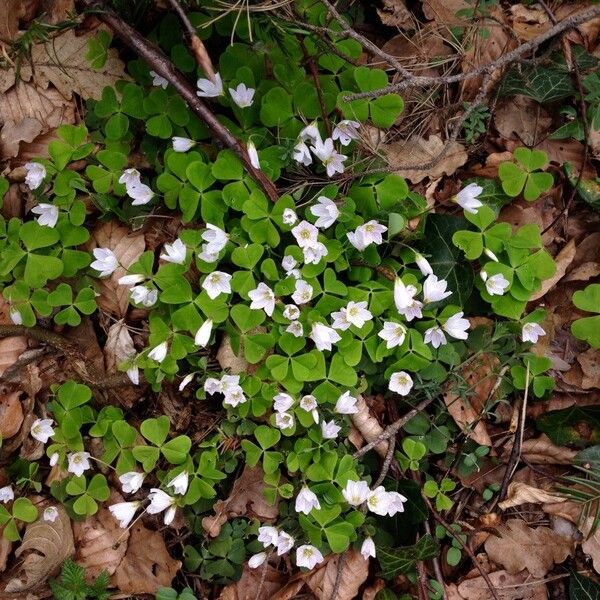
[(507, 586), (262, 583), (11, 415), (354, 572), (541, 451), (521, 493)]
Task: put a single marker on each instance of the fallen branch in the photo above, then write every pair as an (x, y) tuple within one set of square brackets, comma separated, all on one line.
[(164, 67)]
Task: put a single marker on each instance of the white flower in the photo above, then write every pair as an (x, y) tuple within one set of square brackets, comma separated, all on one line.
[(229, 383), (314, 254), (423, 265), (131, 481), (366, 234), (48, 214), (6, 493), (182, 144), (531, 332), (310, 133), (208, 88), (285, 542), (346, 404), (306, 500), (357, 313), (368, 549), (234, 396), (326, 210), (284, 420), (180, 483), (186, 380), (288, 263), (159, 353), (395, 503), (295, 328), (435, 336), (131, 279), (50, 514), (291, 312), (140, 193), (330, 430), (268, 535), (306, 234), (393, 333), (253, 154), (134, 375), (217, 283), (340, 320), (15, 316), (346, 131), (309, 404), (289, 216), (106, 262), (467, 198), (490, 254), (262, 298), (130, 177), (324, 336), (54, 459), (202, 336), (124, 512), (401, 383), (282, 402), (42, 430), (243, 96), (175, 252), (302, 154), (356, 492), (302, 292), (206, 256), (257, 559), (405, 302), (147, 297), (215, 238), (434, 289), (332, 160), (308, 556), (456, 326), (158, 81), (36, 173), (378, 501), (78, 462), (495, 285), (160, 501)]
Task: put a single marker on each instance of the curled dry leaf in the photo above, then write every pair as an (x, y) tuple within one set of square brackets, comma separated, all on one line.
[(128, 247), (147, 564), (12, 12), (541, 451), (419, 151), (44, 548), (355, 570), (228, 359), (521, 493), (507, 586), (368, 426), (10, 350), (444, 11), (246, 499), (249, 586), (119, 346), (395, 14), (590, 367), (517, 546), (11, 415), (101, 544), (529, 21)]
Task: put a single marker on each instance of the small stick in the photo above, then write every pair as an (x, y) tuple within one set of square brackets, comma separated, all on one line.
[(338, 577)]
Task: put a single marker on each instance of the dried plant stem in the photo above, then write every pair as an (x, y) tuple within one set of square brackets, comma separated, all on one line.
[(165, 68)]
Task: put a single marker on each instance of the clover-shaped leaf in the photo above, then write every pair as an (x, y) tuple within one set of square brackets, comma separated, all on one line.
[(588, 328)]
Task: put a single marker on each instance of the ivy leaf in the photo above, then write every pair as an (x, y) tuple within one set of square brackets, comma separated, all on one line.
[(397, 561), (563, 427), (583, 588)]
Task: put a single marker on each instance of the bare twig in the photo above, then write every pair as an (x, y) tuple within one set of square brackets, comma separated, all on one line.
[(386, 462), (164, 67), (312, 67), (391, 430), (202, 57), (338, 577)]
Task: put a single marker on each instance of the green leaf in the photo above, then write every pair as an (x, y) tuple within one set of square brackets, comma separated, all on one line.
[(385, 110), (542, 84), (583, 588), (575, 425), (266, 436), (512, 177), (397, 561), (24, 510), (276, 107), (155, 430)]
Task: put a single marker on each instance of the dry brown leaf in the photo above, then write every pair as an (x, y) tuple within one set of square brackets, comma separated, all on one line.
[(590, 365), (128, 247), (444, 11), (12, 12), (101, 544), (521, 493), (355, 570), (368, 426), (522, 117), (518, 546), (44, 548), (417, 150), (541, 451), (507, 587), (5, 549), (563, 259), (529, 21), (10, 350), (246, 499), (248, 586), (57, 10), (13, 134), (147, 565), (62, 62), (395, 14), (11, 415), (119, 346), (467, 412)]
